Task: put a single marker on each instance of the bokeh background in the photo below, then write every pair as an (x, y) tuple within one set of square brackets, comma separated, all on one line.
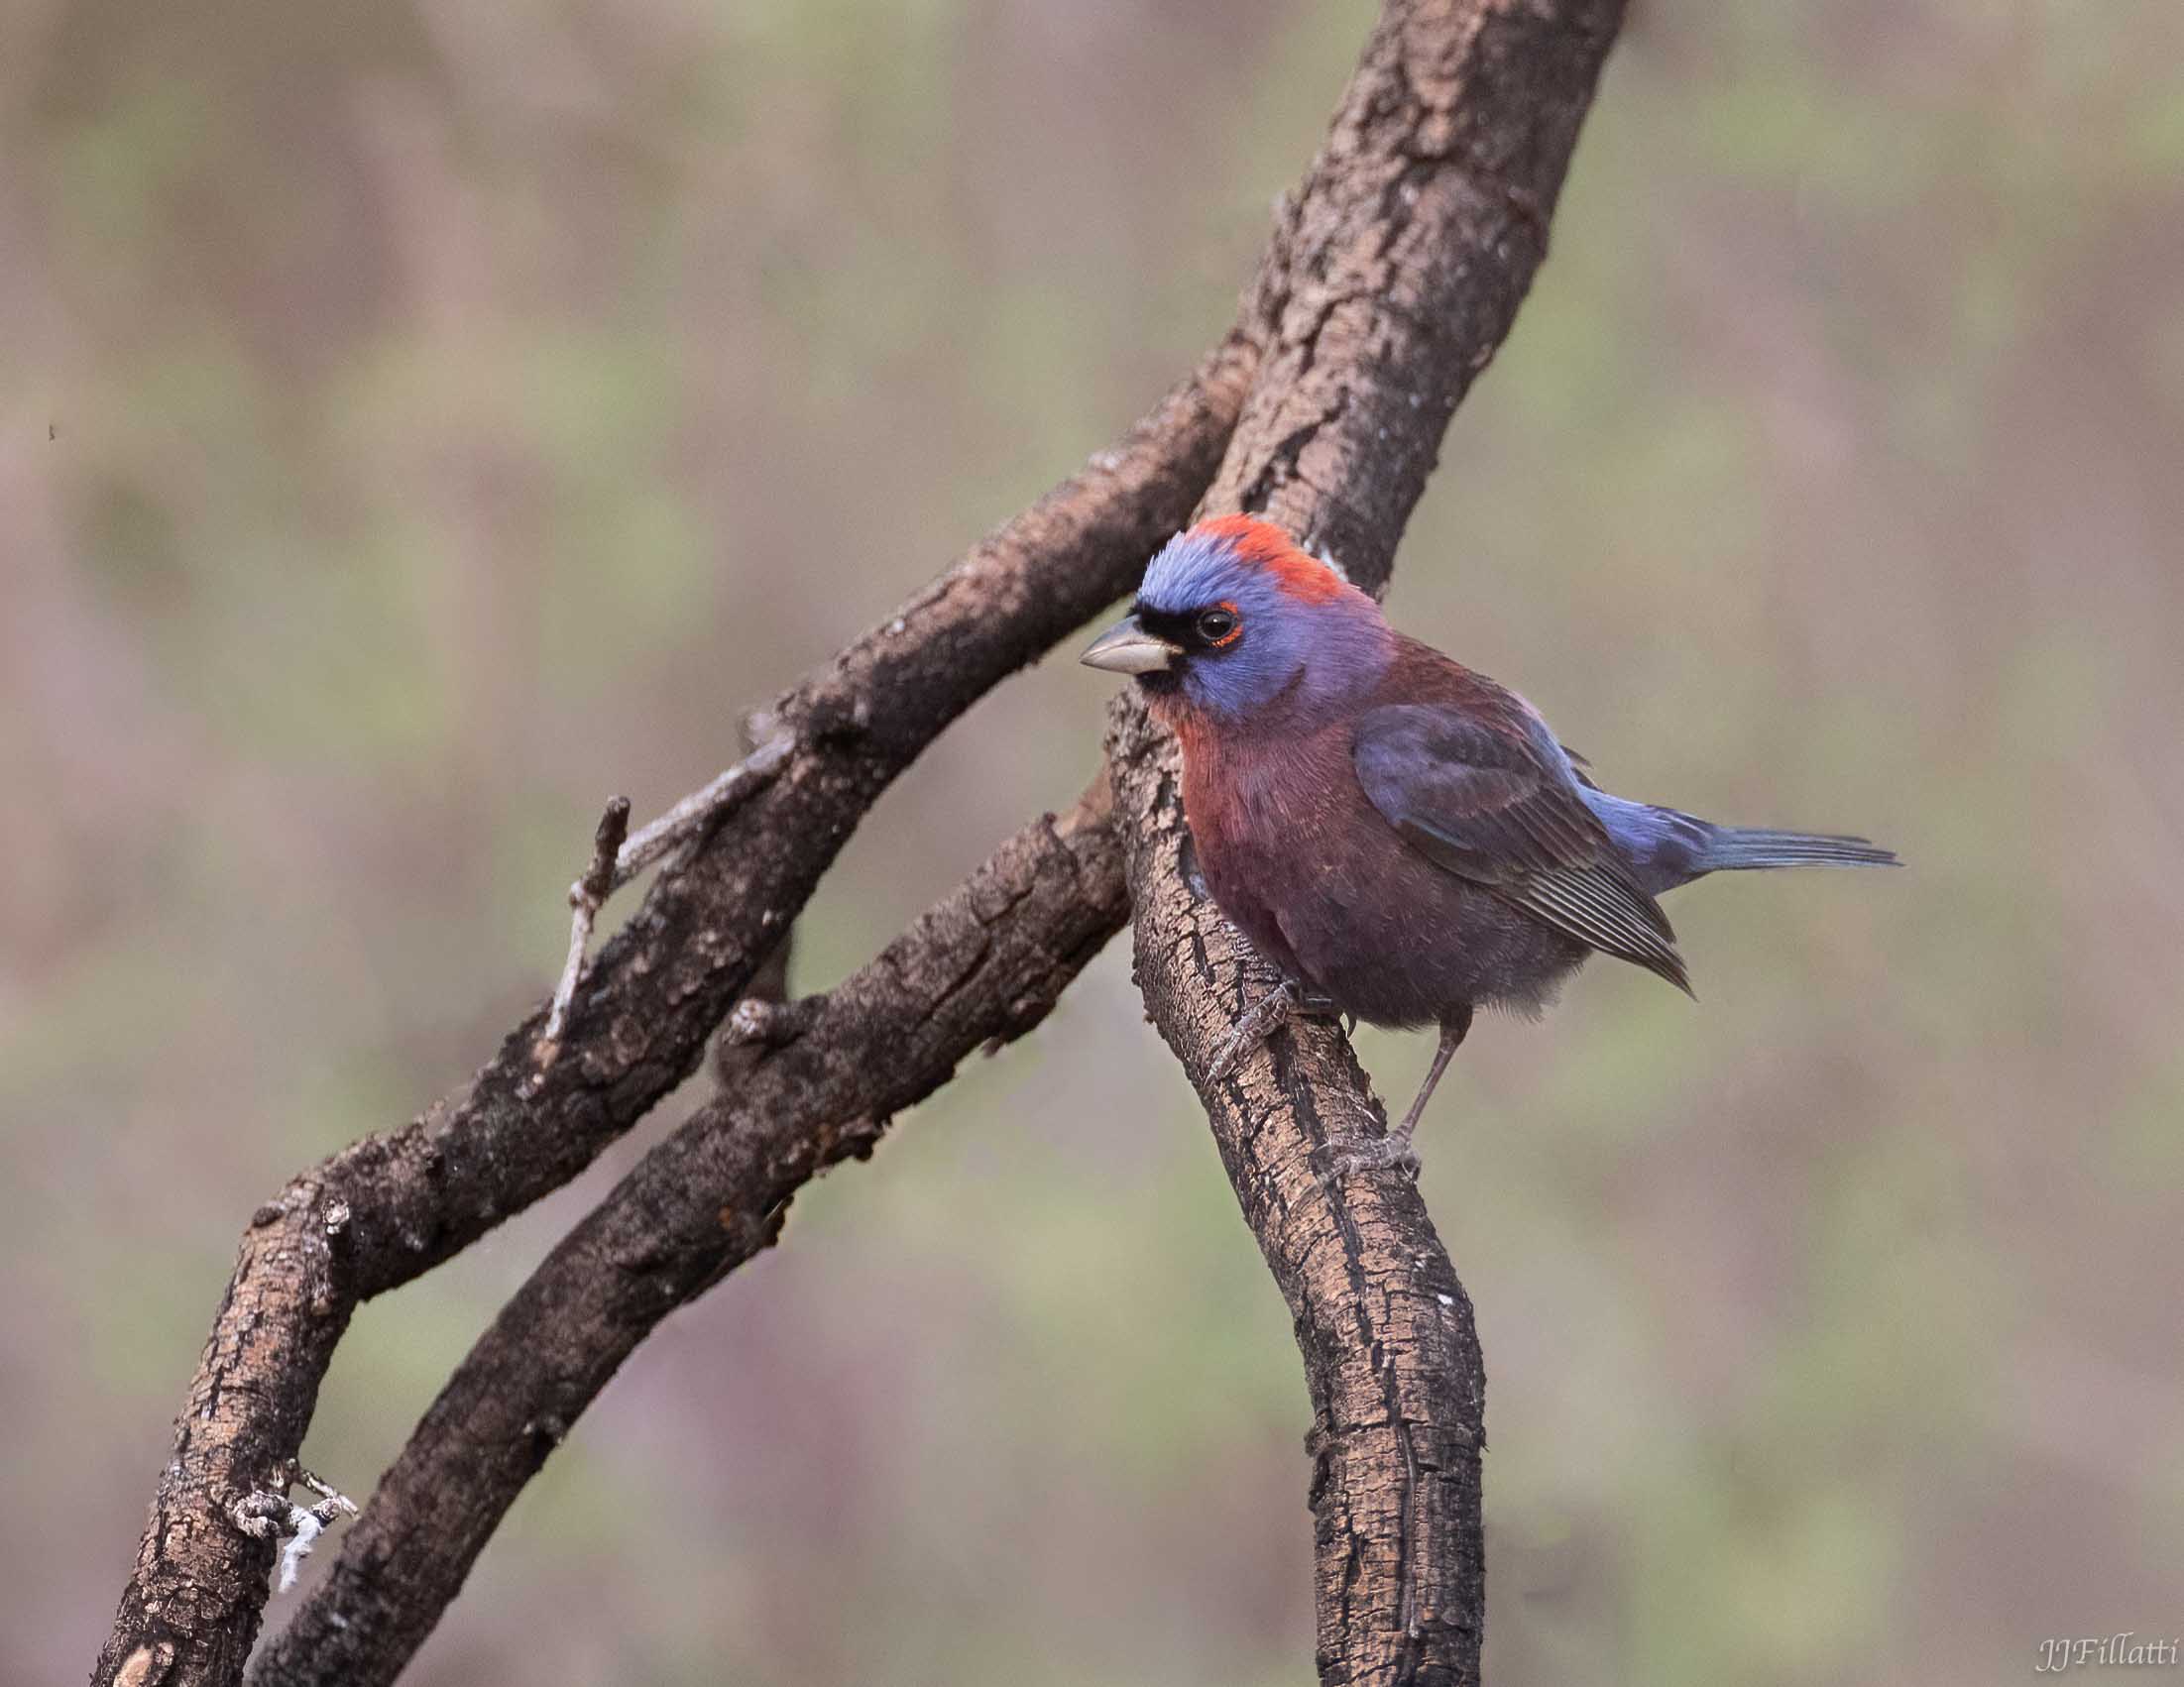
[(418, 422)]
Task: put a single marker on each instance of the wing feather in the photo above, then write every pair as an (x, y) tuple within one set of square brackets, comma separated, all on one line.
[(1486, 793)]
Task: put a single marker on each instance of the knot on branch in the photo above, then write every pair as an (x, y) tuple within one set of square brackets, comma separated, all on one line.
[(831, 718), (147, 1666), (267, 1515), (761, 1023)]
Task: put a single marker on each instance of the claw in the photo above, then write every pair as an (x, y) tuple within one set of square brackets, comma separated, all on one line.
[(1370, 1154), (1258, 1023), (1251, 1030), (1230, 1059)]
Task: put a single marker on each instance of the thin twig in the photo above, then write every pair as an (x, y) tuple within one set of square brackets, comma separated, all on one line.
[(585, 896), (618, 857), (696, 812)]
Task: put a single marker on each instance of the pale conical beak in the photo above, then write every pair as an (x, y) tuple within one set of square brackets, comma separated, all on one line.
[(1127, 648)]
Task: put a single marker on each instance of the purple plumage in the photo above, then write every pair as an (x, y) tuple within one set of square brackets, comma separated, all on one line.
[(1403, 838)]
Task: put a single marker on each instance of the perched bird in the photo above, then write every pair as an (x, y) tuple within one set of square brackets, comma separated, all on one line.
[(1403, 838)]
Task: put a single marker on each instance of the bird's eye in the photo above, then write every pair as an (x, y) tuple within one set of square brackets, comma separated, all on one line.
[(1217, 626)]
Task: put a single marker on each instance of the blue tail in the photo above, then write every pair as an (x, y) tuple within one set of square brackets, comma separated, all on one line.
[(1738, 847), (1668, 848)]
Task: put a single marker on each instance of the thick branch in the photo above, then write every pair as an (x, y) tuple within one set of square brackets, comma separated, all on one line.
[(382, 1211), (1418, 234), (827, 1074)]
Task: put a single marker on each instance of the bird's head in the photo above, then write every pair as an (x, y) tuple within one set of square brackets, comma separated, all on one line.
[(1232, 618)]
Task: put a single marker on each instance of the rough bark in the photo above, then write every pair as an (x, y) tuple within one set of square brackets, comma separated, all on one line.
[(1418, 235), (387, 1209), (823, 1079)]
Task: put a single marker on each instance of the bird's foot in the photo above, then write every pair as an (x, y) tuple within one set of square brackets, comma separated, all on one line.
[(1259, 1021), (1348, 1154), (1379, 1153)]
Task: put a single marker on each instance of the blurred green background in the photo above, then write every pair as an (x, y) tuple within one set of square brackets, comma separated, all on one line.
[(420, 422)]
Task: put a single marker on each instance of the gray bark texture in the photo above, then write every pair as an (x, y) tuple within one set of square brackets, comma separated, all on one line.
[(1390, 279)]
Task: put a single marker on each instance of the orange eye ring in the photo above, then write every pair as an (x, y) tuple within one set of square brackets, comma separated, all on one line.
[(1221, 627)]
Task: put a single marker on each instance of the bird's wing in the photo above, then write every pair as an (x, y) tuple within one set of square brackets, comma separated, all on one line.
[(1483, 794)]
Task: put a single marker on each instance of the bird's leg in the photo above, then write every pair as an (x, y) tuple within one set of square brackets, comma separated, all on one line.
[(1372, 1154), (1260, 1019)]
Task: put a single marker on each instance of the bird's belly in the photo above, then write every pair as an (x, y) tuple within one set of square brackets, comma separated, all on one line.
[(1365, 920), (1473, 951)]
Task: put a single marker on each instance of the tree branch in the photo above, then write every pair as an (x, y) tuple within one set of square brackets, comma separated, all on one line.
[(988, 963), (387, 1209), (1419, 231)]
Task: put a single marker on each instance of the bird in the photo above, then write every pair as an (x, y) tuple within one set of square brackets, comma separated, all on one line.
[(1404, 840)]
